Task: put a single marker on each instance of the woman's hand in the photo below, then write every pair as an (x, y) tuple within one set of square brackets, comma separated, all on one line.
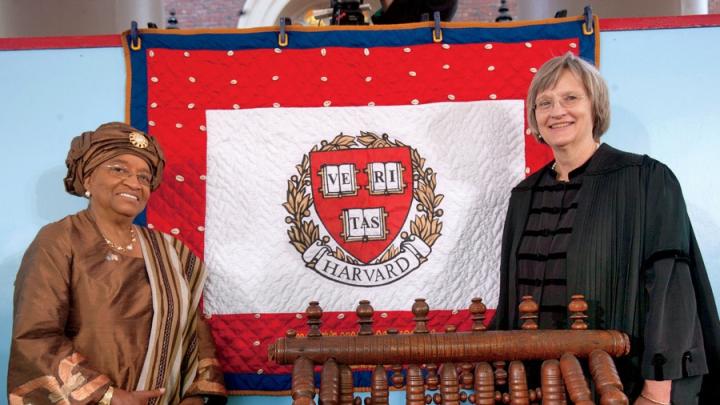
[(655, 393), (122, 397), (643, 401)]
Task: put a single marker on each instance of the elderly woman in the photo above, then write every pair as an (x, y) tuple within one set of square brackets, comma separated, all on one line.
[(613, 226), (106, 311)]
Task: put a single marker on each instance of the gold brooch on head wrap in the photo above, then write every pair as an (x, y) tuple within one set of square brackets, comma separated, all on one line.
[(138, 140)]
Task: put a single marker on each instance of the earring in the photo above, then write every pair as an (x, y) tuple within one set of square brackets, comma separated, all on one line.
[(539, 137), (87, 193)]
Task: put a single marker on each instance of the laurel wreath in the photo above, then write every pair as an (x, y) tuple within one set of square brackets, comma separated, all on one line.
[(303, 232)]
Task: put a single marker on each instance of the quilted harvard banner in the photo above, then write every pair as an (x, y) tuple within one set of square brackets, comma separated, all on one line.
[(339, 164)]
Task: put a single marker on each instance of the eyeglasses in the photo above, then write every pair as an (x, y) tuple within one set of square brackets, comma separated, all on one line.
[(567, 101), (122, 172)]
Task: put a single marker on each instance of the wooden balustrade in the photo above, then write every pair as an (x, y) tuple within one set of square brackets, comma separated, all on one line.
[(444, 363)]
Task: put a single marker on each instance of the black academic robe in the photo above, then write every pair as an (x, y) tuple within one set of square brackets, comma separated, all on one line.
[(634, 256)]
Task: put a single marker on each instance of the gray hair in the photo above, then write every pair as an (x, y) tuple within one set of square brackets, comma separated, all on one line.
[(595, 87)]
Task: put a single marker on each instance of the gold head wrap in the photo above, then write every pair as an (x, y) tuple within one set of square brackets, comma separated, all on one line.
[(92, 148)]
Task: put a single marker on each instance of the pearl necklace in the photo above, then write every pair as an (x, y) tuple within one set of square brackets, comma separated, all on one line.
[(119, 248)]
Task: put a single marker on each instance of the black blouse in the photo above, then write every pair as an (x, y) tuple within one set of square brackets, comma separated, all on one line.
[(543, 247)]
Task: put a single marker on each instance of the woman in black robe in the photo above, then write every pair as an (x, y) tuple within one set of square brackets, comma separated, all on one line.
[(613, 226)]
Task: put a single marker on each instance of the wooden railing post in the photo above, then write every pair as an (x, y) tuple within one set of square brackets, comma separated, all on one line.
[(577, 387), (330, 383), (346, 385), (414, 388), (449, 388), (474, 359), (379, 386), (607, 381), (553, 389), (303, 387)]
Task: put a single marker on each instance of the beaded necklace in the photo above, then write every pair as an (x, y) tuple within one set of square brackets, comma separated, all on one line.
[(119, 248)]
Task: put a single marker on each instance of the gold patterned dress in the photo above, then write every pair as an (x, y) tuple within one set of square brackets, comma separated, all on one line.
[(87, 317)]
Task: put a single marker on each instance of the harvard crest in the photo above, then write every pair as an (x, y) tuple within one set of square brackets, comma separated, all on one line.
[(361, 190)]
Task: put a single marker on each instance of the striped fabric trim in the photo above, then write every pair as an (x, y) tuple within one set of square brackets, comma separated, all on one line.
[(70, 384), (176, 279), (547, 232), (194, 272), (553, 308), (558, 187), (85, 391), (539, 282), (179, 341), (47, 381), (542, 258), (553, 210)]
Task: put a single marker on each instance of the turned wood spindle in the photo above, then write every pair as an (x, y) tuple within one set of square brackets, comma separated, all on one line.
[(449, 388), (553, 389), (575, 382), (477, 313), (397, 377), (534, 395), (364, 313), (346, 385), (517, 384), (577, 309), (379, 388), (303, 387), (420, 310), (466, 377), (484, 384), (528, 313), (607, 381), (500, 373), (330, 383), (432, 380), (313, 314), (415, 387)]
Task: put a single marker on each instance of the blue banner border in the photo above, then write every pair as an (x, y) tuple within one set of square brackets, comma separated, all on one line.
[(307, 38), (367, 37)]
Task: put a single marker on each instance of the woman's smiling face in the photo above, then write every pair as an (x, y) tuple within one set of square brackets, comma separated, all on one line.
[(564, 113), (120, 186)]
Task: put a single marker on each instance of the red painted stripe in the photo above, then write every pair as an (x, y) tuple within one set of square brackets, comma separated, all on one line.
[(656, 23), (97, 41)]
